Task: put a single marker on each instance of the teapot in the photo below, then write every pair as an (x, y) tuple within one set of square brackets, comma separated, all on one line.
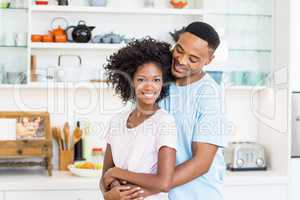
[(80, 33), (57, 31)]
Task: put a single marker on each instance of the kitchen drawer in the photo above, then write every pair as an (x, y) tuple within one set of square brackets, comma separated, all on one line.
[(256, 192), (54, 195)]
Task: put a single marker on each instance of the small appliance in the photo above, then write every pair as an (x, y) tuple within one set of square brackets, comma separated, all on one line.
[(245, 156)]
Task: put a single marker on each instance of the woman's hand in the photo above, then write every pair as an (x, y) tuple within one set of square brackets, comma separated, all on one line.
[(124, 193), (108, 180)]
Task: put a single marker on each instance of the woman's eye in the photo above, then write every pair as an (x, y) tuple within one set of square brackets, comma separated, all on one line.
[(140, 79), (157, 80)]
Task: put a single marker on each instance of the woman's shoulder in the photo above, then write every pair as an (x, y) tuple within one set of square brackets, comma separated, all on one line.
[(163, 116), (120, 116)]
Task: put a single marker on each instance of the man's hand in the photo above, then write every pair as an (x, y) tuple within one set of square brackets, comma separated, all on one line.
[(124, 193)]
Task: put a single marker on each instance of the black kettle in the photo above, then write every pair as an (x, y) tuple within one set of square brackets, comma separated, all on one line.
[(80, 33), (63, 2)]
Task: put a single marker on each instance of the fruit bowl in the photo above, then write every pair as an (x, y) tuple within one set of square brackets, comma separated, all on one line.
[(86, 169)]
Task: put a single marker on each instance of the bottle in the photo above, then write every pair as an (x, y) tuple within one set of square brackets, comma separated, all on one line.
[(78, 146), (97, 155), (90, 140)]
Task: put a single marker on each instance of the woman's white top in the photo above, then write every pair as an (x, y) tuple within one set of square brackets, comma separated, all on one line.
[(136, 149)]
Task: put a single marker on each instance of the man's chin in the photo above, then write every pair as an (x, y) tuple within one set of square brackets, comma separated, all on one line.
[(177, 74)]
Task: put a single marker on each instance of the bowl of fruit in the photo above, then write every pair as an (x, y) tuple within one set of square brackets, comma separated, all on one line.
[(86, 169), (179, 3)]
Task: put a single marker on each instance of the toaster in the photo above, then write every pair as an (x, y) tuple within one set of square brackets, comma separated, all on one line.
[(244, 156)]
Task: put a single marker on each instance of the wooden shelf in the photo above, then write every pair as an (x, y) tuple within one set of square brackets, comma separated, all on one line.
[(139, 11)]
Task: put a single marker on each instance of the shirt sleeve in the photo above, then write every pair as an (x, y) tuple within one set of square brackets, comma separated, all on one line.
[(211, 125), (167, 132)]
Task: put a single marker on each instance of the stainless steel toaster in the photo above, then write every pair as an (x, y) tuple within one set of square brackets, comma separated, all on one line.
[(244, 156)]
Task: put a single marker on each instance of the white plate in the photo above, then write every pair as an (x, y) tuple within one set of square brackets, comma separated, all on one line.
[(85, 172)]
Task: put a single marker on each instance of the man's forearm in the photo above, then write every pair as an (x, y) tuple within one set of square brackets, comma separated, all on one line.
[(188, 171)]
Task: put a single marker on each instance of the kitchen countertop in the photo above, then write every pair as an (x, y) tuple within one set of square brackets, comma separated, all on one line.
[(20, 180)]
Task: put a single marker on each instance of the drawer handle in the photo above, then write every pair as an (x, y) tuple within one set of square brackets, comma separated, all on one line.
[(20, 152)]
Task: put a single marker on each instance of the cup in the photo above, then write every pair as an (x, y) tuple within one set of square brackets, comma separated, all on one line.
[(10, 39), (216, 75), (237, 77), (15, 77), (161, 3), (65, 159), (21, 39), (2, 74), (254, 78), (2, 39)]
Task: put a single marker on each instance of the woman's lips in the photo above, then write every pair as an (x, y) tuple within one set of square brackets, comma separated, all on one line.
[(148, 94)]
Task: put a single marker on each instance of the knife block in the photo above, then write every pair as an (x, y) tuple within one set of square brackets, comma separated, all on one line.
[(65, 159)]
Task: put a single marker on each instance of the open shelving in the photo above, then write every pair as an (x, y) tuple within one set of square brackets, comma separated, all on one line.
[(107, 10)]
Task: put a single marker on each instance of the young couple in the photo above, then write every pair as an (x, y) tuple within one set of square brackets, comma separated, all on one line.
[(169, 146)]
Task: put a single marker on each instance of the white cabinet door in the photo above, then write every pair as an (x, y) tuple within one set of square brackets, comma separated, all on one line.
[(295, 179), (294, 45), (274, 192), (1, 195), (54, 195)]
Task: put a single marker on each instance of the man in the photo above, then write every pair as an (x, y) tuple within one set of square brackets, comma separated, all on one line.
[(196, 103)]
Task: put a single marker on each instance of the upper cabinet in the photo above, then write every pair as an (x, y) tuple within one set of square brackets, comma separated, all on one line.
[(244, 58), (13, 41)]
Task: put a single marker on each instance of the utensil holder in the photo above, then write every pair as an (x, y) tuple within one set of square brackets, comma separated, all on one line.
[(65, 159)]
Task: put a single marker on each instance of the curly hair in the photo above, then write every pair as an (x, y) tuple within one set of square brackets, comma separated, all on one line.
[(123, 64)]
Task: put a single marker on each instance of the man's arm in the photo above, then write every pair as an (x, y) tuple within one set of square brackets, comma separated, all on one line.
[(203, 156), (161, 181)]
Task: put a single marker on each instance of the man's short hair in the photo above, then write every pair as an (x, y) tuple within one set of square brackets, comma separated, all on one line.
[(205, 32)]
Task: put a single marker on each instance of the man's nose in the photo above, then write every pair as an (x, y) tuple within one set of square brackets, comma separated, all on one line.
[(183, 60)]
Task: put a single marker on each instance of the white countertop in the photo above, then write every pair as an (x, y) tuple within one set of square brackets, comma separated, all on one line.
[(39, 180), (18, 180)]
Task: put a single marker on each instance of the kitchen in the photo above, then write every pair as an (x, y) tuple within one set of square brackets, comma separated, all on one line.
[(55, 72)]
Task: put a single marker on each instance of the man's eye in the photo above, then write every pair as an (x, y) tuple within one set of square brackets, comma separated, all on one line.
[(178, 49), (193, 60)]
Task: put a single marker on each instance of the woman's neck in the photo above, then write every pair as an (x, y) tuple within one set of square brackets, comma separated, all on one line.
[(146, 109)]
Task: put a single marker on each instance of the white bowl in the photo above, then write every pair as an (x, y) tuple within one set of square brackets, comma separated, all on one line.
[(85, 172)]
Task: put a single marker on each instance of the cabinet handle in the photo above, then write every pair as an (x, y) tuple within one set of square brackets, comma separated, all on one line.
[(20, 152)]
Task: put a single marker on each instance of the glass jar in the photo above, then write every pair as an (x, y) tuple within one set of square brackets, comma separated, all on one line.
[(97, 155)]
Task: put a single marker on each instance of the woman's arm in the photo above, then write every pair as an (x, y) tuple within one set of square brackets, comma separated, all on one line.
[(107, 164), (161, 181)]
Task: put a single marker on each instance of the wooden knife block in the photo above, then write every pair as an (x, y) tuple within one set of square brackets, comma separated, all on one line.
[(65, 159)]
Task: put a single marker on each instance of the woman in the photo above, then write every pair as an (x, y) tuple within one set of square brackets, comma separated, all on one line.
[(141, 145)]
